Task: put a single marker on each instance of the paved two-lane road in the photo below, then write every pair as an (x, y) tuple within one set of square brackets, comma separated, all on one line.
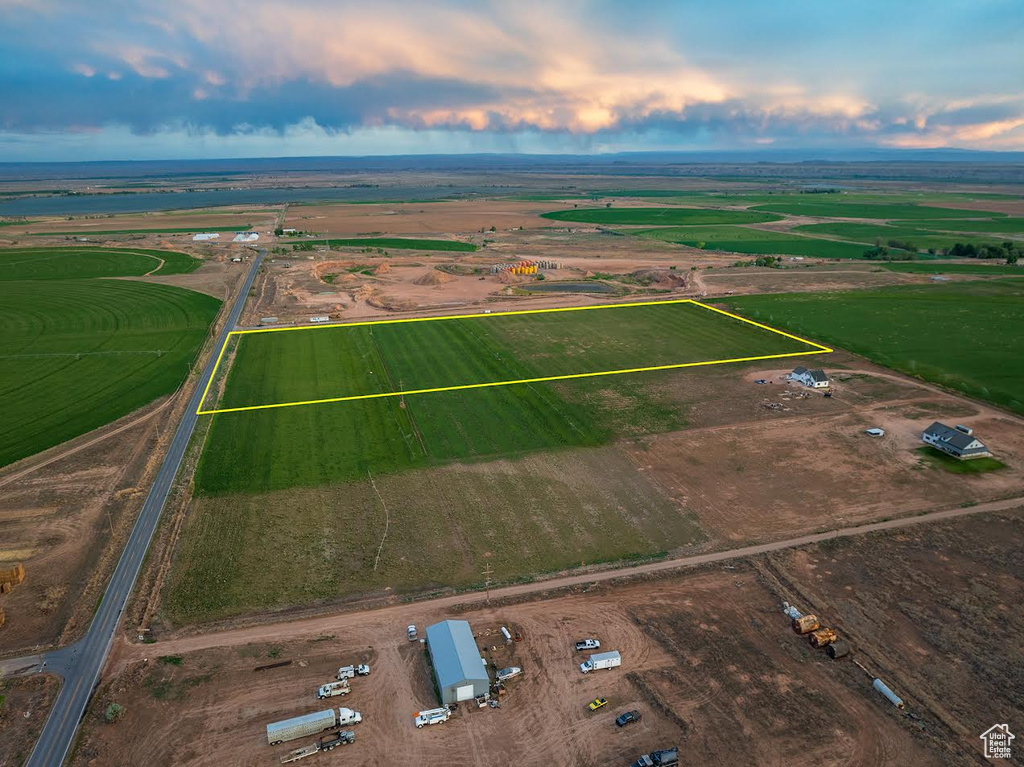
[(81, 663)]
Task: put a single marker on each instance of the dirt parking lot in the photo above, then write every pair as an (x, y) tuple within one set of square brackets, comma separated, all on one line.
[(705, 654)]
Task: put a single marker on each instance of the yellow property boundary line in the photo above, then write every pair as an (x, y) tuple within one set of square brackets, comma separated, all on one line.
[(818, 349)]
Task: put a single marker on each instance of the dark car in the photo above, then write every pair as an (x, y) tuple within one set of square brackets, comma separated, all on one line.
[(627, 718)]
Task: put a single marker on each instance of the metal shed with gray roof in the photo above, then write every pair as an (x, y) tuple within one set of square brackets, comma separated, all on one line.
[(458, 668)]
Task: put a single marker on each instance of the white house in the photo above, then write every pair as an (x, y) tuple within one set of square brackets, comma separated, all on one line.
[(958, 441), (816, 379)]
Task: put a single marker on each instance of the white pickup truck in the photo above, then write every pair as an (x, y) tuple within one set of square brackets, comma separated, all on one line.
[(587, 644), (433, 716)]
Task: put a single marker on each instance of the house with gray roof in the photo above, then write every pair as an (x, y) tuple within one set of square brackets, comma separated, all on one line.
[(458, 668), (957, 441), (815, 379)]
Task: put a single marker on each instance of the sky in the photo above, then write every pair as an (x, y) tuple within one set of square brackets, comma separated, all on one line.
[(168, 79)]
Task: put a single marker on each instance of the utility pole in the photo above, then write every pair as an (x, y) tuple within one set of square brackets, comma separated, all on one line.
[(487, 582)]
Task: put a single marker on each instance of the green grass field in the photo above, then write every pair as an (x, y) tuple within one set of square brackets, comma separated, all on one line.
[(245, 552), (989, 226), (76, 354), (298, 446), (396, 243), (89, 262), (738, 239), (967, 336), (920, 236), (659, 216), (318, 363), (839, 208), (936, 459)]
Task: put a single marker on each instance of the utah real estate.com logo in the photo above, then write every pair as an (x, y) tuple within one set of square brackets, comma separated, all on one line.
[(997, 741)]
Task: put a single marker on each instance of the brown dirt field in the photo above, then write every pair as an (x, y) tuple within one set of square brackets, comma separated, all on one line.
[(934, 611), (701, 653), (59, 520), (1010, 207), (460, 217), (24, 704), (809, 465), (754, 280), (173, 220)]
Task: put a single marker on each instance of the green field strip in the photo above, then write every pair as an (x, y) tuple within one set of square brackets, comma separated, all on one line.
[(967, 336), (289, 367), (660, 216)]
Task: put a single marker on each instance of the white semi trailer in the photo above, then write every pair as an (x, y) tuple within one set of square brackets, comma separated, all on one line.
[(300, 726), (310, 724)]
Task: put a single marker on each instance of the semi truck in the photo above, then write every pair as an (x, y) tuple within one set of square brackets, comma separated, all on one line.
[(348, 716), (349, 672), (601, 660), (300, 726), (331, 689), (310, 724), (433, 716), (668, 757)]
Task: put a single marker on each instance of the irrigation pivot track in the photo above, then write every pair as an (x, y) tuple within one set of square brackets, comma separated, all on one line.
[(81, 663)]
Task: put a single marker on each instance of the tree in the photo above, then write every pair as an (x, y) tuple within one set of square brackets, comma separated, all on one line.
[(607, 204), (114, 712), (279, 231)]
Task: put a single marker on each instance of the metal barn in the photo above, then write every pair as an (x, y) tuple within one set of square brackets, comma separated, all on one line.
[(458, 668)]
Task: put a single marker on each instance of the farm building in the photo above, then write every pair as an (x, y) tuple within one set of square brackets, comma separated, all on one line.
[(816, 379), (246, 237), (458, 668), (958, 441), (205, 237)]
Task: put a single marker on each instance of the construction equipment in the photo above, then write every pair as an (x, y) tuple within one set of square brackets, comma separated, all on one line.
[(892, 697), (823, 637), (806, 624), (838, 649)]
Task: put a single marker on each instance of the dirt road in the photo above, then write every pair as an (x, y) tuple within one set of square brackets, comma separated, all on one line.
[(125, 653)]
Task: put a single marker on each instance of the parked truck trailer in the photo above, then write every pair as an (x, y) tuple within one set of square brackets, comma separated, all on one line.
[(300, 726)]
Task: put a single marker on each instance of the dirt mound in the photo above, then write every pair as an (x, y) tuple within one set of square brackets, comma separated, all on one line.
[(382, 269), (662, 278), (330, 267), (435, 277)]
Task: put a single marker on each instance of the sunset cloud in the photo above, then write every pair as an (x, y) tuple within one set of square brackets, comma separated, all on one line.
[(587, 70)]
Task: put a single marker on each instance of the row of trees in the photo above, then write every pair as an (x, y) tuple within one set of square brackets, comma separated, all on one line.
[(898, 250), (1011, 251)]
